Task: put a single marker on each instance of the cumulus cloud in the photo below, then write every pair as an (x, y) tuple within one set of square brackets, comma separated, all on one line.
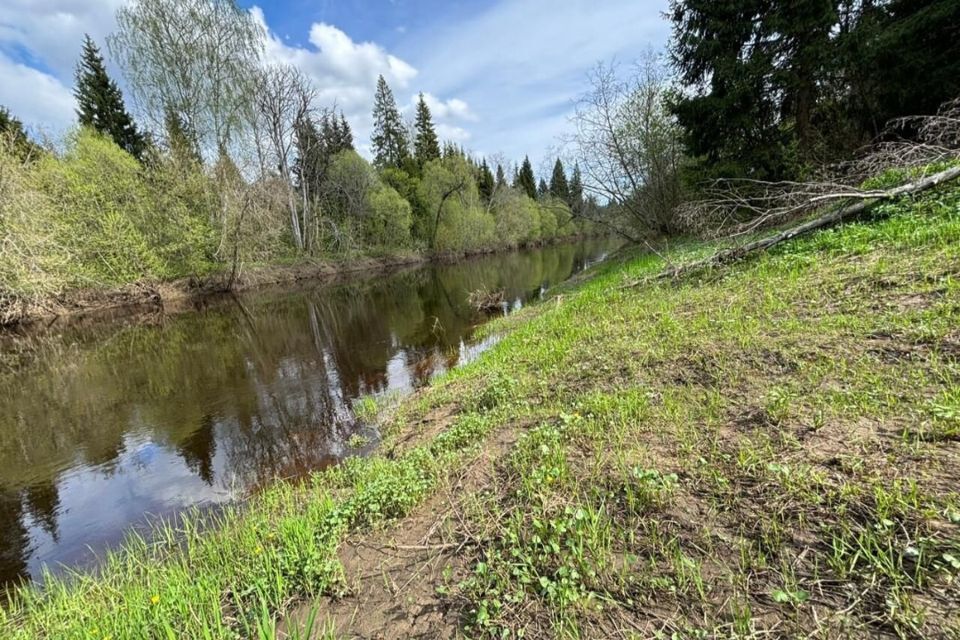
[(454, 108), (452, 133), (343, 71), (520, 64), (40, 41), (51, 31), (41, 101)]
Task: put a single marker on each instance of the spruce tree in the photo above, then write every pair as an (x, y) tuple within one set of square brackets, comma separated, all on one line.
[(558, 182), (11, 129), (180, 138), (485, 184), (313, 156), (389, 138), (345, 142), (501, 176), (526, 180), (576, 190), (100, 103), (426, 146), (542, 189)]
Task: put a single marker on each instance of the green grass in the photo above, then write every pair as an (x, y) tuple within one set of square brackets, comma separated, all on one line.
[(766, 448)]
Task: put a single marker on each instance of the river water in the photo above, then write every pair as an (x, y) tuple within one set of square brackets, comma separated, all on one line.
[(115, 423)]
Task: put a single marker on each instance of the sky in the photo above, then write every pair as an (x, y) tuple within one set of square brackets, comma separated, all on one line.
[(500, 76)]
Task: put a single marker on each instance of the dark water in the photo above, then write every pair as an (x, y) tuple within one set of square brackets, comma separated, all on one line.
[(118, 422)]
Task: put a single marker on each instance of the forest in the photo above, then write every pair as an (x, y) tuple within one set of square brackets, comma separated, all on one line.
[(231, 161)]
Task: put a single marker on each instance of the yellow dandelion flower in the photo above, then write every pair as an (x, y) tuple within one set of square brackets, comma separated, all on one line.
[(154, 599)]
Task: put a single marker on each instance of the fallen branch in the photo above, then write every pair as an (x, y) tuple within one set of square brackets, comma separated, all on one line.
[(866, 200)]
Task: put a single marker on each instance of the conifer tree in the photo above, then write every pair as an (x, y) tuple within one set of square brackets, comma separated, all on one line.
[(526, 180), (180, 139), (559, 188), (501, 176), (100, 103), (389, 138), (11, 129), (345, 142), (576, 189), (426, 145), (485, 184), (313, 157), (542, 189)]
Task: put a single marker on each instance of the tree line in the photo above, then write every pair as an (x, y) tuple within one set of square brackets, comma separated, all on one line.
[(233, 161), (759, 90)]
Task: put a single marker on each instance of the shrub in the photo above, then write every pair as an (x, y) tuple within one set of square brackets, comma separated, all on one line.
[(387, 223)]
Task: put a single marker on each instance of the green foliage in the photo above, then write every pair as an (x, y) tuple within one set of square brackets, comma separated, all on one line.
[(525, 180), (15, 136), (426, 145), (768, 91), (485, 181), (389, 138), (95, 216), (100, 103), (451, 209), (559, 187), (388, 222)]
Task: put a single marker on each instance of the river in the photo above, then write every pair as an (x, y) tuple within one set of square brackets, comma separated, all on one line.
[(115, 423)]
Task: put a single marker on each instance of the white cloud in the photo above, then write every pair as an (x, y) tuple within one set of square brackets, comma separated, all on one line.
[(52, 30), (520, 64), (40, 41), (41, 101), (344, 72), (452, 133), (504, 77), (454, 108)]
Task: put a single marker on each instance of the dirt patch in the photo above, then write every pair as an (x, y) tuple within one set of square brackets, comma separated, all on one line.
[(402, 582)]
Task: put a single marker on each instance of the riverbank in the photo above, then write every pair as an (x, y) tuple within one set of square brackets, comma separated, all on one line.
[(767, 448), (183, 294)]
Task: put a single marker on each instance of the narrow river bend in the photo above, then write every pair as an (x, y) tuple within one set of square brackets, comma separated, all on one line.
[(123, 421)]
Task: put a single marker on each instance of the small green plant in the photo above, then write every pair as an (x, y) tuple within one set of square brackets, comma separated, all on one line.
[(358, 441), (366, 409)]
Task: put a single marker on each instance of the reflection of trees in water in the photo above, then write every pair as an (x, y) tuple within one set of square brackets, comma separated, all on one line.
[(41, 504), (198, 449), (267, 386), (13, 537)]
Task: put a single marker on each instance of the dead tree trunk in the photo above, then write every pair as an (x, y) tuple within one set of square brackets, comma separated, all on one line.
[(845, 211)]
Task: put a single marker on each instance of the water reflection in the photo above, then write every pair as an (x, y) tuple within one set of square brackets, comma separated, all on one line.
[(199, 408)]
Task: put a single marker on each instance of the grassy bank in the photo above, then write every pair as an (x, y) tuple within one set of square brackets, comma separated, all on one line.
[(771, 448)]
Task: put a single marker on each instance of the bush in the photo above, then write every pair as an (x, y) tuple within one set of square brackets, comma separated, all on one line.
[(100, 201), (516, 217), (387, 223)]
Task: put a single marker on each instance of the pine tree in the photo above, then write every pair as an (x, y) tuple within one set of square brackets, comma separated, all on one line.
[(313, 157), (345, 142), (558, 182), (426, 146), (542, 189), (576, 190), (526, 180), (100, 103), (13, 133), (180, 138), (501, 177), (753, 71), (485, 184), (389, 138)]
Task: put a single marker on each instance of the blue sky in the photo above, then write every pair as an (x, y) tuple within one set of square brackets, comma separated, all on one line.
[(500, 75)]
